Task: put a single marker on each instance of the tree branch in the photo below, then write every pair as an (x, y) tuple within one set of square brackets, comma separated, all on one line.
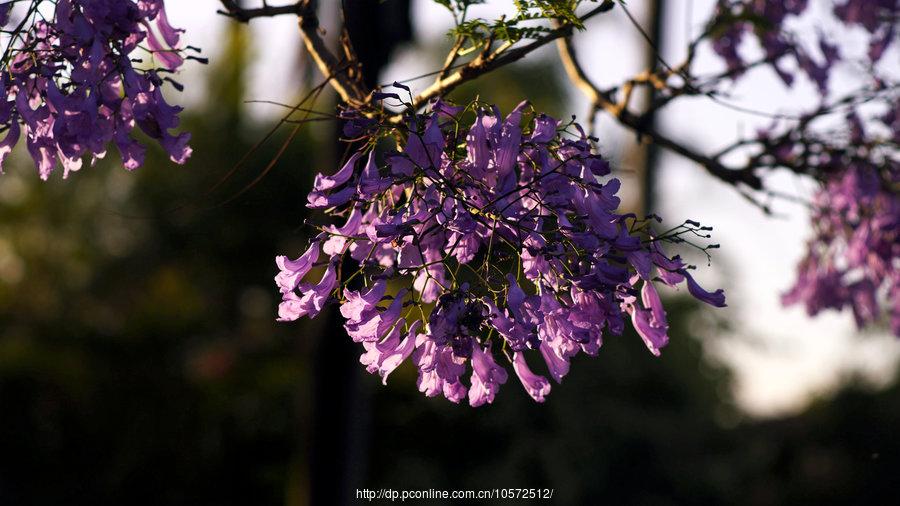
[(244, 15), (337, 71), (352, 92), (483, 64), (602, 100)]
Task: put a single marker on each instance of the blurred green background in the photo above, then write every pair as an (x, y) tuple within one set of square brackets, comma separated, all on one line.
[(140, 362)]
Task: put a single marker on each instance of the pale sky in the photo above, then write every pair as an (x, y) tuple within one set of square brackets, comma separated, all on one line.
[(781, 357)]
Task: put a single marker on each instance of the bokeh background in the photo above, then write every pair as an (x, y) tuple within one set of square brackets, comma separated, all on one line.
[(140, 362)]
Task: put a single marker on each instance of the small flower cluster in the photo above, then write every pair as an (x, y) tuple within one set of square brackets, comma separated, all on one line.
[(483, 238), (877, 17), (766, 19), (70, 84), (853, 258)]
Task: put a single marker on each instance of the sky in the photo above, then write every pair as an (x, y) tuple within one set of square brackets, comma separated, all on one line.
[(781, 357)]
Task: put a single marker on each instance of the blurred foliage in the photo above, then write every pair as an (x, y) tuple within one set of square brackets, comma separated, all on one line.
[(140, 363), (139, 359)]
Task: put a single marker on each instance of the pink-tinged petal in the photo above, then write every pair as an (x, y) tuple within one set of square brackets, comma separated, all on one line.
[(319, 200), (177, 147), (323, 182), (655, 337), (651, 300), (429, 282), (537, 386), (480, 392), (310, 300), (9, 142), (376, 351), (392, 359), (477, 149), (558, 366), (544, 129), (292, 271), (171, 35), (716, 298), (455, 391), (166, 55), (508, 143), (371, 184), (425, 149), (357, 303), (374, 323), (486, 378), (337, 243), (290, 308)]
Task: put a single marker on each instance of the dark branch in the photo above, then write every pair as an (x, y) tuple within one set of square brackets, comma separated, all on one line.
[(233, 10), (335, 69), (602, 100)]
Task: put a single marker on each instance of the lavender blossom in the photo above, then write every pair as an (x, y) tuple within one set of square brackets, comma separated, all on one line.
[(73, 83), (854, 255), (483, 239), (852, 260), (767, 21)]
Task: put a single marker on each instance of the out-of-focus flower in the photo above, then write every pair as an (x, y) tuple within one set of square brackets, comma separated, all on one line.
[(768, 20), (853, 258)]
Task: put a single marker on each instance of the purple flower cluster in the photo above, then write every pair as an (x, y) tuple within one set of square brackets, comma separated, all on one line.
[(483, 238), (853, 258), (765, 20), (878, 17), (71, 86)]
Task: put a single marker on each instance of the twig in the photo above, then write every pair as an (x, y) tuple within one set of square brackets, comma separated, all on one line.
[(350, 90), (244, 15), (602, 100), (484, 64)]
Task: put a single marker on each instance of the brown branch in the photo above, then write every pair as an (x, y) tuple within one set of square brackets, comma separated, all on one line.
[(451, 57), (349, 89), (352, 92), (484, 64), (603, 100)]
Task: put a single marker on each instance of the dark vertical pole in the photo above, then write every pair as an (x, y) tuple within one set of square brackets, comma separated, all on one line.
[(651, 158), (341, 408)]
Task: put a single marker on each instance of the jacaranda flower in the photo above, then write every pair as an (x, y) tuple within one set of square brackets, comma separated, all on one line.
[(482, 240), (75, 82)]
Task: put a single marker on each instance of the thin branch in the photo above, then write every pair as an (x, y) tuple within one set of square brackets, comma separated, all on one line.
[(244, 15), (350, 90), (451, 57), (484, 64), (602, 100)]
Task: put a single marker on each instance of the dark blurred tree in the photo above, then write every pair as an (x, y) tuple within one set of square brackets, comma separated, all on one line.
[(139, 363), (341, 412)]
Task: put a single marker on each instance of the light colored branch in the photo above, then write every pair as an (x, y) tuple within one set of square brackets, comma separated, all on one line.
[(352, 92), (602, 100), (451, 57), (335, 70), (484, 64)]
